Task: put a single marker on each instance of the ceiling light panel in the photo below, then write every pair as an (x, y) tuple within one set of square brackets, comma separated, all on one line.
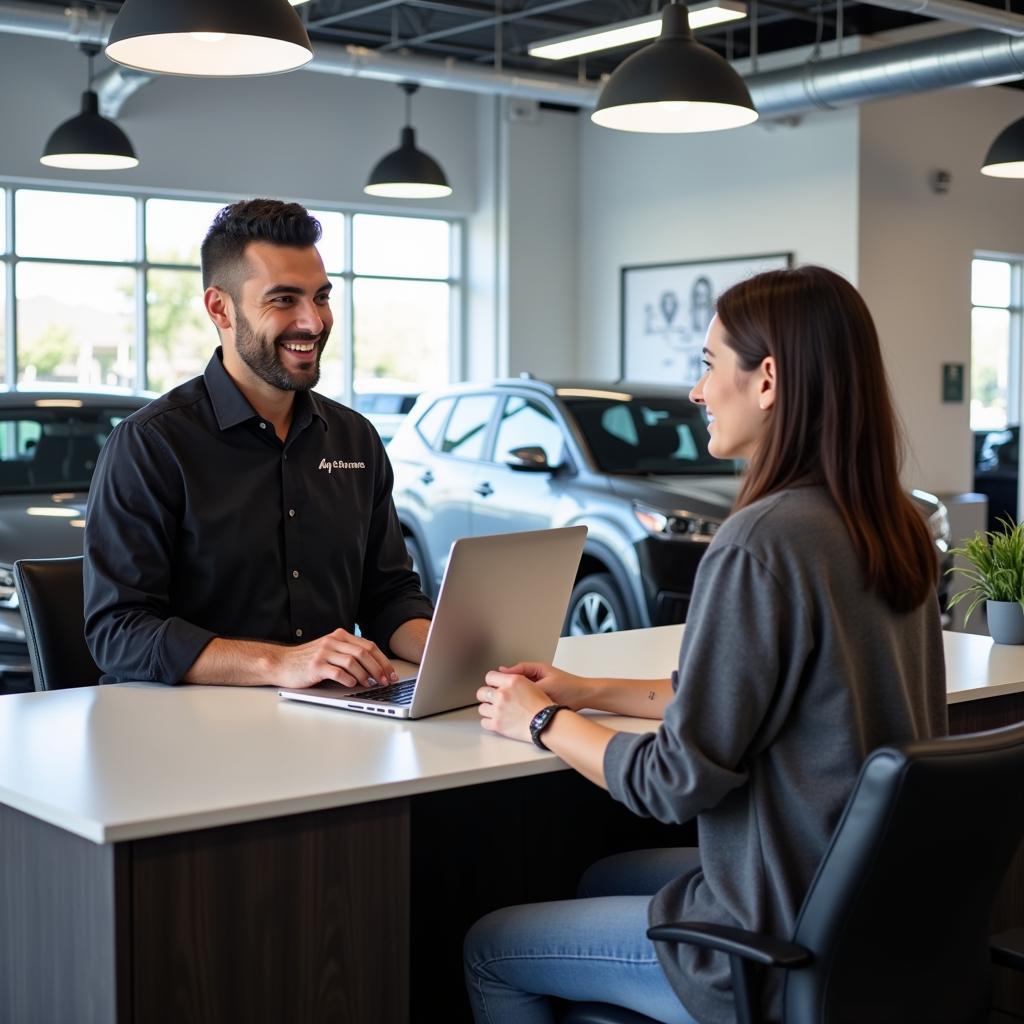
[(637, 30)]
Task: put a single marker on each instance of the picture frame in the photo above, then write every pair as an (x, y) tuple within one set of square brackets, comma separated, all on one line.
[(665, 310)]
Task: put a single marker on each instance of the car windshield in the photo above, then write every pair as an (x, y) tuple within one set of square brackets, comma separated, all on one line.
[(646, 435), (52, 448)]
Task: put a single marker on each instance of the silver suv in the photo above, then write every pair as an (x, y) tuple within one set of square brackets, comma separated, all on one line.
[(629, 462)]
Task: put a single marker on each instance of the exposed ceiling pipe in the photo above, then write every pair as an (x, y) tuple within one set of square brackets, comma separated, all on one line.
[(360, 62), (116, 86), (961, 12), (72, 24), (965, 58)]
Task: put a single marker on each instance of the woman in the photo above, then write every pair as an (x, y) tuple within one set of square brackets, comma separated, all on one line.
[(813, 637)]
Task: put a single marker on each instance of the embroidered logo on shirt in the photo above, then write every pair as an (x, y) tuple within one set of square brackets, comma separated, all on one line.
[(328, 464)]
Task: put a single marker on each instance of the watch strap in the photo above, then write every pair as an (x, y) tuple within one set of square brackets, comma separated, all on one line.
[(541, 721)]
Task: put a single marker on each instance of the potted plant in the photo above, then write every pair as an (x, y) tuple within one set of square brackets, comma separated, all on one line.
[(995, 575)]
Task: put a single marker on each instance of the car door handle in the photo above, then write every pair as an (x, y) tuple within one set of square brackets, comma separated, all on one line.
[(485, 490), (427, 478)]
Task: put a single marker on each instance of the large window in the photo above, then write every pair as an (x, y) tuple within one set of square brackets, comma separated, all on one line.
[(997, 297), (107, 291)]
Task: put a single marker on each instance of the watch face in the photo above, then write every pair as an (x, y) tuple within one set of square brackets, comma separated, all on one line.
[(540, 722)]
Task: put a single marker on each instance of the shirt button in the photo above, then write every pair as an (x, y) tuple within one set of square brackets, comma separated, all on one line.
[(286, 458), (263, 426), (298, 632), (291, 513), (295, 573)]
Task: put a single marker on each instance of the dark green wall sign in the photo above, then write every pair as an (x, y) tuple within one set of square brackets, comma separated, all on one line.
[(952, 382)]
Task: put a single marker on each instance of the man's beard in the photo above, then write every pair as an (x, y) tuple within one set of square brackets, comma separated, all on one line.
[(259, 353)]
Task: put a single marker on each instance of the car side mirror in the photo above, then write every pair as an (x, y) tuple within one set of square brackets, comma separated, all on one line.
[(529, 459)]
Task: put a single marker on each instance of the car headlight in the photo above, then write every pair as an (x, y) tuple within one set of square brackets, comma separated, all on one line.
[(677, 524), (8, 595)]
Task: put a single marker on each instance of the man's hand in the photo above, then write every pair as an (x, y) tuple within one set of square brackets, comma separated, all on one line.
[(338, 656)]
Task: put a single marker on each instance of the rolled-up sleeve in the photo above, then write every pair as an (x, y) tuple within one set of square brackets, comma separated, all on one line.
[(739, 667), (130, 535), (391, 593)]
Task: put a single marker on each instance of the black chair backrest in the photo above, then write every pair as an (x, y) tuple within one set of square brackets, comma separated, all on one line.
[(53, 608), (898, 915)]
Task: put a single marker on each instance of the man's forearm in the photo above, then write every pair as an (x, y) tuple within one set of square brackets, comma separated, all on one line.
[(234, 663), (407, 642)]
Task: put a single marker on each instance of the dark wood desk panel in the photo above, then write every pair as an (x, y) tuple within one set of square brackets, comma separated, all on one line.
[(976, 716), (63, 909), (480, 848)]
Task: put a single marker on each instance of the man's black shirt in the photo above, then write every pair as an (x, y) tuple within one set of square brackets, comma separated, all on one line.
[(202, 524)]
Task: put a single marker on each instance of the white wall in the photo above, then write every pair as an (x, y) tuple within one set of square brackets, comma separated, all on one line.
[(761, 189), (542, 176), (304, 135), (915, 254)]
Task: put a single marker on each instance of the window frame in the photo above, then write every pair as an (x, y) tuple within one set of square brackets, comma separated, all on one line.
[(1015, 369), (141, 266)]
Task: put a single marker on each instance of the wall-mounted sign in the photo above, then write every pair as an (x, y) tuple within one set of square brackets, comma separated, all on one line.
[(952, 382)]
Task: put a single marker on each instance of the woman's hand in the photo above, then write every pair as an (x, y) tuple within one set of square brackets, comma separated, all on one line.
[(561, 687), (508, 703)]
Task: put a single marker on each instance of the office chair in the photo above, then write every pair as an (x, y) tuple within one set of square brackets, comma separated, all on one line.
[(895, 926), (53, 609)]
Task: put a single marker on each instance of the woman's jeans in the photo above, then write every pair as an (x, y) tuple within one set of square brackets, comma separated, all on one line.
[(590, 949)]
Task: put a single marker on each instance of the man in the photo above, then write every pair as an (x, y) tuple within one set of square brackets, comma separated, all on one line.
[(240, 526)]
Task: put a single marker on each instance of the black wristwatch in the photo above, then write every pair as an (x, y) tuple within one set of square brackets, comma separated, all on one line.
[(541, 721)]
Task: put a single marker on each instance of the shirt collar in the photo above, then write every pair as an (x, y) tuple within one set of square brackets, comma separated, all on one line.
[(231, 407)]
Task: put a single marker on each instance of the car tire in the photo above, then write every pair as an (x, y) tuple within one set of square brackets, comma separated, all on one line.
[(596, 606), (418, 562)]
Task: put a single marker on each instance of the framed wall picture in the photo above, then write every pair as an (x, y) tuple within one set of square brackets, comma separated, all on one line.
[(666, 309)]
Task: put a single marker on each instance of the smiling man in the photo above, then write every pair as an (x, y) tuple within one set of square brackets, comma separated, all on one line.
[(218, 547)]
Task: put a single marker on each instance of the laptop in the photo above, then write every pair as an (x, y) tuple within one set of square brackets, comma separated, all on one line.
[(502, 600)]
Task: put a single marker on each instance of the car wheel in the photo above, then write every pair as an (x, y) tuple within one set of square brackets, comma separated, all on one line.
[(418, 561), (595, 607)]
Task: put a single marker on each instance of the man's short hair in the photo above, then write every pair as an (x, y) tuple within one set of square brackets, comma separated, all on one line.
[(222, 253)]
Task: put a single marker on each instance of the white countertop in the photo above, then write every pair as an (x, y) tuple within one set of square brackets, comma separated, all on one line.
[(113, 763)]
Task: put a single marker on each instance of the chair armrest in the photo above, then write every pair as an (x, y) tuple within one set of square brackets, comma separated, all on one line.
[(761, 949), (1008, 948)]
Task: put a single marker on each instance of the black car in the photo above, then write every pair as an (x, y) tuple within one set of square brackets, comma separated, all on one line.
[(996, 461), (49, 443), (629, 462)]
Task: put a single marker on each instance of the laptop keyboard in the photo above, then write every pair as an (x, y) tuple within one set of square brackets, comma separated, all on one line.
[(396, 693)]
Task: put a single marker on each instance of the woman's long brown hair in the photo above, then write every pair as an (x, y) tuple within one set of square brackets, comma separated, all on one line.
[(833, 421)]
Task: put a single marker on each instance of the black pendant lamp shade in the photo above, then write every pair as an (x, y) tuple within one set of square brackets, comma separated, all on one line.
[(209, 38), (89, 142), (674, 84), (1005, 157), (408, 172)]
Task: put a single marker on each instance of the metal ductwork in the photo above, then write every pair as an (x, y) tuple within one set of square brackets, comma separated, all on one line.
[(960, 12), (965, 58), (360, 62)]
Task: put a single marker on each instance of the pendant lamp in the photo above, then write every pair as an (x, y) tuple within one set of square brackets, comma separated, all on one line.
[(89, 142), (674, 84), (408, 172), (1005, 157), (209, 38)]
